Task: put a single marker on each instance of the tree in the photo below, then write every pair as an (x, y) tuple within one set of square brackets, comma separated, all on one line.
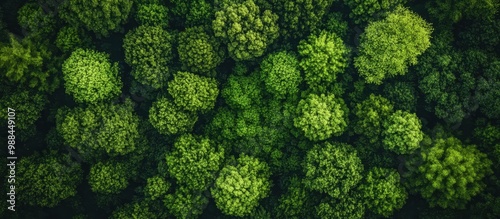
[(454, 11), (193, 12), (198, 51), (382, 192), (169, 119), (105, 127), (192, 92), (33, 19), (148, 51), (280, 73), (47, 179), (323, 56), (156, 187), (133, 210), (100, 17), (450, 173), (402, 95), (299, 18), (70, 38), (245, 29), (242, 92), (402, 132), (28, 107), (332, 168), (240, 186), (320, 117), (90, 77), (350, 206), (109, 177), (185, 203), (488, 92), (364, 11), (295, 202), (370, 116), (380, 50), (152, 15), (194, 162), (22, 63)]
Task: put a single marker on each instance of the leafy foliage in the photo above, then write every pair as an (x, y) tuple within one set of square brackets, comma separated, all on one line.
[(156, 187), (47, 179), (402, 132), (239, 187), (245, 29), (370, 116), (199, 51), (194, 162), (90, 77), (402, 94), (108, 177), (323, 56), (320, 117), (280, 73), (32, 18), (364, 11), (451, 173), (101, 17), (133, 210), (349, 206), (148, 50), (152, 15), (71, 38), (192, 92), (169, 119), (185, 203), (382, 191), (332, 168), (380, 53), (241, 92), (453, 11)]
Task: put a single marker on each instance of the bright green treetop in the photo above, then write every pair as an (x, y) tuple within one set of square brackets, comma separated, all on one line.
[(402, 132), (47, 179), (194, 161), (133, 210), (382, 192), (199, 51), (108, 177), (323, 56), (332, 168), (389, 46), (370, 115), (451, 173), (185, 203), (148, 50), (193, 92), (152, 15), (156, 187), (280, 73), (101, 17), (105, 127), (169, 119), (320, 117), (239, 187), (245, 29), (364, 11), (90, 77)]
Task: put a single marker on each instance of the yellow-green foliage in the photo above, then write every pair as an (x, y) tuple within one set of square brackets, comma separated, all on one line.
[(169, 119), (402, 132), (192, 92)]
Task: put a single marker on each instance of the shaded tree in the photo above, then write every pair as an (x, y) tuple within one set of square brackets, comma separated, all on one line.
[(198, 51)]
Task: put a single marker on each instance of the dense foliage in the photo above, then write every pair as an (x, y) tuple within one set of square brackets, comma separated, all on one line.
[(300, 109)]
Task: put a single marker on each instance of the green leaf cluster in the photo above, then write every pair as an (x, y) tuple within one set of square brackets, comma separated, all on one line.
[(185, 203), (370, 116), (245, 29), (364, 11), (108, 177), (198, 51), (156, 187), (402, 132), (152, 15), (170, 119), (280, 73), (148, 50), (193, 92)]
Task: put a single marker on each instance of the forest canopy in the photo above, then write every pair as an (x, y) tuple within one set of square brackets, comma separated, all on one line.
[(257, 109)]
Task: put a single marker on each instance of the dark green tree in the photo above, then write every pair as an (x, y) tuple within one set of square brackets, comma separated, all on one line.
[(453, 11), (280, 73), (100, 17), (245, 29), (242, 92), (192, 92), (350, 206), (133, 210), (169, 119), (148, 51), (382, 192), (47, 179), (380, 53), (185, 203), (152, 15), (320, 117), (90, 77), (71, 38), (156, 187), (240, 186), (32, 18), (488, 92), (364, 11), (402, 94), (333, 169), (370, 115), (28, 107), (450, 173), (194, 161), (198, 51), (323, 57), (109, 177)]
